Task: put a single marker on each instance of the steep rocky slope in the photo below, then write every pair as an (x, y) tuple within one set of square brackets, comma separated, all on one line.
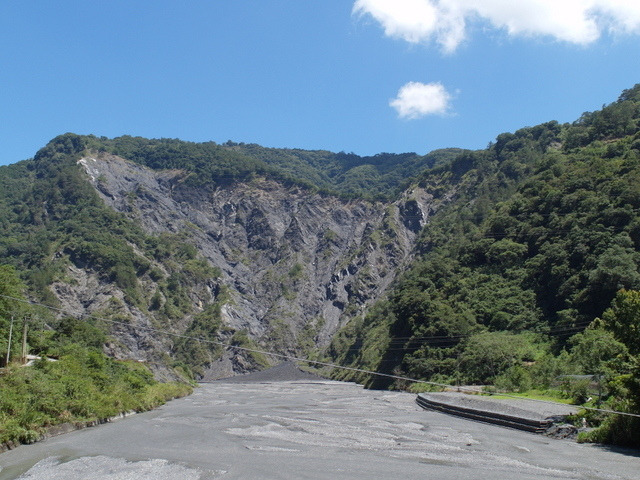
[(296, 265)]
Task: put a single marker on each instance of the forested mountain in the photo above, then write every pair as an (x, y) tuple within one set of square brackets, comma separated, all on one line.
[(206, 241), (543, 233), (380, 177), (484, 267)]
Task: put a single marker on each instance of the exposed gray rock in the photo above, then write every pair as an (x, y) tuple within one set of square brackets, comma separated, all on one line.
[(298, 265)]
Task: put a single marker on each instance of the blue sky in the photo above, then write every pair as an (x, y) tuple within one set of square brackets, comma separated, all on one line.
[(365, 76)]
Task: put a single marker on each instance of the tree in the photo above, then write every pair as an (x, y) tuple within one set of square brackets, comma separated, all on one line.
[(487, 355), (10, 295), (623, 319), (593, 348)]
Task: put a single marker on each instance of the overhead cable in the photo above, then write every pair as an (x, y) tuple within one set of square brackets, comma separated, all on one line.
[(317, 362)]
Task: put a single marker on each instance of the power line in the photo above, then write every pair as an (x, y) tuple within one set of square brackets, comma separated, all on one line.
[(315, 362), (437, 340)]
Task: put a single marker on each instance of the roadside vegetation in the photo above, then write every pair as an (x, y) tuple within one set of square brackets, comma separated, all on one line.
[(73, 381), (82, 385)]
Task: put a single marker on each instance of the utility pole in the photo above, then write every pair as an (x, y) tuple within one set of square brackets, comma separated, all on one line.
[(10, 334), (25, 327)]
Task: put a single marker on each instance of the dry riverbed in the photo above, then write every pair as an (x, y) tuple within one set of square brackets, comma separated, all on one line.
[(306, 428)]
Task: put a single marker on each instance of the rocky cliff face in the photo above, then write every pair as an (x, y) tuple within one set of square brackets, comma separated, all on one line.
[(296, 265)]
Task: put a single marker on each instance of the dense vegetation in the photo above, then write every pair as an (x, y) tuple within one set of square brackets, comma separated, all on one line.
[(83, 385), (543, 233), (379, 177), (53, 218), (73, 381)]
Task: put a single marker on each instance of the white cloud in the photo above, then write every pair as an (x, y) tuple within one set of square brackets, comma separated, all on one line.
[(416, 21), (445, 21), (417, 100), (623, 15)]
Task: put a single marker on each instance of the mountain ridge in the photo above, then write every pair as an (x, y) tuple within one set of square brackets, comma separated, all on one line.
[(280, 265), (170, 232)]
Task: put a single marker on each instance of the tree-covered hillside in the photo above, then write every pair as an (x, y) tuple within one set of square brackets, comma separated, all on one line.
[(70, 379), (543, 232), (380, 177)]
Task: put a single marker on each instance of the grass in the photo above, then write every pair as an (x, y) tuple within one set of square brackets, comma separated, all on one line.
[(545, 395), (83, 386)]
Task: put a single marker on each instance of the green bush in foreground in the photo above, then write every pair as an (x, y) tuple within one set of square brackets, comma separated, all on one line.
[(84, 385)]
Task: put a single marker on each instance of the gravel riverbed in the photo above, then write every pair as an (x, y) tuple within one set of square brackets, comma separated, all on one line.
[(307, 429)]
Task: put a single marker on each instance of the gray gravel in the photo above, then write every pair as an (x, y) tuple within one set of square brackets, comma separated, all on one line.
[(525, 408), (285, 372), (306, 429)]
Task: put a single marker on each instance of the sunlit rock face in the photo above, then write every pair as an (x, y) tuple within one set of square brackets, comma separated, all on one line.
[(296, 265)]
